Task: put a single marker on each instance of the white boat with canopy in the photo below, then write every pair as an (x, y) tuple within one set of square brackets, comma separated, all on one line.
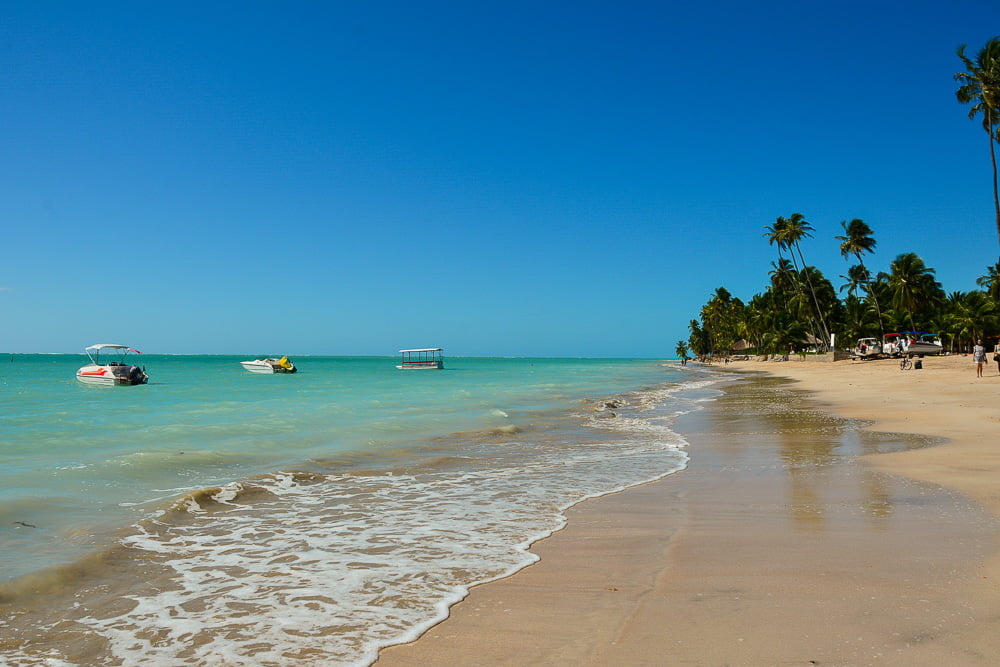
[(920, 343), (115, 370), (910, 343), (421, 358)]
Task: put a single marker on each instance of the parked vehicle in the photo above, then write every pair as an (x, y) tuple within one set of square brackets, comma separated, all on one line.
[(867, 348)]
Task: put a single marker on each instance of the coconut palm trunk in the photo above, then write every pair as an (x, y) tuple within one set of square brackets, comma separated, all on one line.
[(981, 88), (815, 300), (874, 296), (993, 160)]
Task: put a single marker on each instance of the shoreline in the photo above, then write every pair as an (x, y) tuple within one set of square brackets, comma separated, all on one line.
[(772, 547)]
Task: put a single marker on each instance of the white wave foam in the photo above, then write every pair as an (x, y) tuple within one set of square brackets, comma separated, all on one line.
[(227, 493)]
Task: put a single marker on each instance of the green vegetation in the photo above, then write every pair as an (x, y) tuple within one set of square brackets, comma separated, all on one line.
[(980, 87), (799, 307)]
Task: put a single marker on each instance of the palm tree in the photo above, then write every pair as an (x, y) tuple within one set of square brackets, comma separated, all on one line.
[(859, 240), (975, 313), (991, 281), (897, 319), (953, 304), (795, 229), (944, 324), (786, 234), (912, 285), (681, 350), (800, 308), (776, 234), (756, 318), (859, 320), (857, 275), (980, 86), (719, 318), (699, 338), (782, 278)]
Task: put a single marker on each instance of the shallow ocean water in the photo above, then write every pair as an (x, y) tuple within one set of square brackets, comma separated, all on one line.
[(218, 517)]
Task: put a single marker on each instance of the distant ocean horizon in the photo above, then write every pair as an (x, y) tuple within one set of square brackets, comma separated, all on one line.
[(218, 515)]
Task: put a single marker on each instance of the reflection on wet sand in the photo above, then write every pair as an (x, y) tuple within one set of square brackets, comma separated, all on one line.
[(782, 427)]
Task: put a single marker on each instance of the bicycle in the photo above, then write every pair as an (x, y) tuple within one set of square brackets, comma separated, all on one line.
[(906, 364)]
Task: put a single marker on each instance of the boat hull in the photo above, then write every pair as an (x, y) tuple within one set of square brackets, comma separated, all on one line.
[(434, 366), (111, 376), (923, 349), (258, 367), (269, 366)]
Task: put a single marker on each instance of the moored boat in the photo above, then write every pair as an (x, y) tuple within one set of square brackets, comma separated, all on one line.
[(421, 358), (115, 371), (269, 366)]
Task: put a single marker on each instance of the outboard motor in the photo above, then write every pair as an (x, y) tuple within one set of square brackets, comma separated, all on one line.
[(136, 375)]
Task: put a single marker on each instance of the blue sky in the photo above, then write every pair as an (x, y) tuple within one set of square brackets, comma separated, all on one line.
[(525, 179)]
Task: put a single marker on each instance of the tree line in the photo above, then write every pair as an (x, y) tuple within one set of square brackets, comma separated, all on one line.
[(800, 308)]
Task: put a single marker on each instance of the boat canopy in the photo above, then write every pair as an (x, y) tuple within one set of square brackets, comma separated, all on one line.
[(111, 346), (95, 351), (422, 357)]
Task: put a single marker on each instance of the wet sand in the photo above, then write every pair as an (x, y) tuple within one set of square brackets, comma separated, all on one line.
[(797, 535)]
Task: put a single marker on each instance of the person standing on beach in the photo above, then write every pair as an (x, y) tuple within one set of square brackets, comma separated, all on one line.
[(996, 354), (979, 356)]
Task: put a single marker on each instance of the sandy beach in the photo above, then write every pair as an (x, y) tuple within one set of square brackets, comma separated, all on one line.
[(840, 513)]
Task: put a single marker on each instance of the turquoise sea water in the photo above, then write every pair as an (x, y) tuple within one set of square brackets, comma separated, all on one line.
[(217, 515)]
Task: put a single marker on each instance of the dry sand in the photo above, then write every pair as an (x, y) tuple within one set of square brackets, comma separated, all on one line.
[(794, 536)]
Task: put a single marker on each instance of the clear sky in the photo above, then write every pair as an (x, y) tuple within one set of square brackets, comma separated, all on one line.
[(509, 178)]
